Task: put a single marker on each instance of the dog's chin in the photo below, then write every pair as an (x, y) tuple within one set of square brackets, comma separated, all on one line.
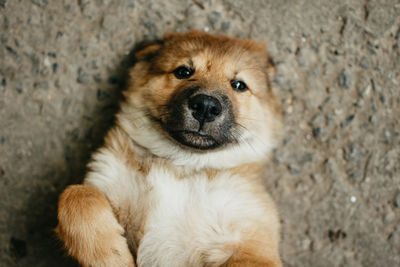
[(195, 140)]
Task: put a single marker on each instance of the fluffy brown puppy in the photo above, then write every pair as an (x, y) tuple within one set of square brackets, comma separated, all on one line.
[(178, 179)]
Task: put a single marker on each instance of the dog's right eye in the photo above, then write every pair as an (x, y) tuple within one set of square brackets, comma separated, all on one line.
[(183, 72)]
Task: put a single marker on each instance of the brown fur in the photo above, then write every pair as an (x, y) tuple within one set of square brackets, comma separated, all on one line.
[(92, 227), (89, 229)]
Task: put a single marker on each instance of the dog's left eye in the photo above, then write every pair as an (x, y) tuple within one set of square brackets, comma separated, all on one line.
[(239, 85), (183, 72)]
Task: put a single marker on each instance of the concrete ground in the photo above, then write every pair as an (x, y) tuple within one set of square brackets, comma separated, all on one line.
[(335, 176)]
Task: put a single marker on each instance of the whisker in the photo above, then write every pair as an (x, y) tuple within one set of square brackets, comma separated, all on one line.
[(250, 119), (254, 136), (246, 142)]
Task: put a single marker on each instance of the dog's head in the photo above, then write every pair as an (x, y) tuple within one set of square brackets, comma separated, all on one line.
[(199, 98)]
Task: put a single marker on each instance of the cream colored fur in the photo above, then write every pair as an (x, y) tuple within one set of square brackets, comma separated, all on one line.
[(191, 219), (177, 206)]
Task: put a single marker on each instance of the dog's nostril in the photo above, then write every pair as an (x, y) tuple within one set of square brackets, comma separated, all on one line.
[(205, 108), (215, 111), (195, 106)]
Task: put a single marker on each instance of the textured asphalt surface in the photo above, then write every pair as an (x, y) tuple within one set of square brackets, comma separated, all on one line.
[(335, 176)]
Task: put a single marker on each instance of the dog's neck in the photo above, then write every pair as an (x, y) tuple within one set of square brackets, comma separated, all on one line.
[(252, 169)]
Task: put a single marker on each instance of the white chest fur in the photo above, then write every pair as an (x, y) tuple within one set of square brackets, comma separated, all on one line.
[(188, 221)]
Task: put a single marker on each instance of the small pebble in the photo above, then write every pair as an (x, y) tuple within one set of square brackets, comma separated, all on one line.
[(294, 168), (345, 79), (396, 201), (347, 121), (316, 120), (352, 152), (394, 238), (367, 91), (382, 98), (95, 63), (52, 54), (359, 103), (35, 63), (131, 4), (97, 77), (59, 34), (42, 85), (353, 199), (338, 111), (213, 18), (225, 25), (55, 67), (46, 62), (40, 3), (389, 217), (354, 174), (83, 77), (397, 36), (3, 3), (387, 136), (317, 132), (151, 27), (305, 243), (102, 95), (364, 63), (12, 51), (374, 86)]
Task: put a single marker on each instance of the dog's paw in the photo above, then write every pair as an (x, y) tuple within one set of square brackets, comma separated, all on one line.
[(89, 229), (118, 255)]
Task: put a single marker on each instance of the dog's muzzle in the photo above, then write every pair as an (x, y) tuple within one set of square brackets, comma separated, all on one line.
[(200, 119)]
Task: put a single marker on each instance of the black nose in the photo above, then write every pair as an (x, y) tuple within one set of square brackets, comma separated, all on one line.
[(205, 108)]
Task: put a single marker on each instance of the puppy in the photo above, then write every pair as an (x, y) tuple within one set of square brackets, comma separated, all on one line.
[(178, 180)]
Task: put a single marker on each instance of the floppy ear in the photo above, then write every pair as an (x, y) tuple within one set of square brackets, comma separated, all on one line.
[(147, 50), (269, 62), (261, 48)]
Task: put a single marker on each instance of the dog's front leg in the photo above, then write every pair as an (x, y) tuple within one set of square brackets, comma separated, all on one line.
[(89, 229)]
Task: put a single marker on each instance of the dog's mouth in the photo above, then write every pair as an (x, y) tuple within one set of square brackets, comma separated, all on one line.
[(198, 140), (197, 119)]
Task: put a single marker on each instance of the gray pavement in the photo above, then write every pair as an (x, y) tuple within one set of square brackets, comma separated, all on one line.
[(335, 176)]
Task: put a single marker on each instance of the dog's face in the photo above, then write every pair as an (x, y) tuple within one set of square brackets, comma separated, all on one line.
[(203, 94)]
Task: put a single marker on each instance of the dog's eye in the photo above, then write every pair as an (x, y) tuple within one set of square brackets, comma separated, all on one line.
[(239, 85), (183, 72)]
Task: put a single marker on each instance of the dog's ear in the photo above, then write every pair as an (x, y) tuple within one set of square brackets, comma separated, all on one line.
[(270, 64), (147, 50), (261, 49)]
